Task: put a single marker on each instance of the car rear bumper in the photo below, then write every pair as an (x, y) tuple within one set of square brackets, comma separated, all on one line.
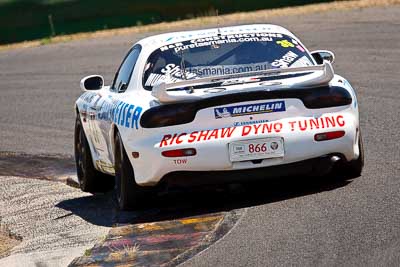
[(312, 167)]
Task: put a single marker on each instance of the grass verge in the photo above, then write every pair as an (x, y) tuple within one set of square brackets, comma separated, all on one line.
[(236, 18)]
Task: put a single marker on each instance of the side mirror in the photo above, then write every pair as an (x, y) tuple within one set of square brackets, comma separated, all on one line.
[(92, 82), (323, 55)]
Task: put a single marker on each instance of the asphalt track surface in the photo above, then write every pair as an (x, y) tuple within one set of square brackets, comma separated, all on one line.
[(353, 222)]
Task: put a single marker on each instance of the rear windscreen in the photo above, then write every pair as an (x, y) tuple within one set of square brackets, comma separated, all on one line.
[(222, 55)]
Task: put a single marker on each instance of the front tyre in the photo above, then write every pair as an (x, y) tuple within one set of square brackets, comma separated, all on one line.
[(128, 193), (90, 180)]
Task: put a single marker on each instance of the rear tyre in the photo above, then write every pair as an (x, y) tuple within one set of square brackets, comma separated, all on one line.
[(355, 167), (128, 193), (90, 180)]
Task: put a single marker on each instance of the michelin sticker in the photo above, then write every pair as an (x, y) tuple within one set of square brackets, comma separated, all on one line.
[(242, 110)]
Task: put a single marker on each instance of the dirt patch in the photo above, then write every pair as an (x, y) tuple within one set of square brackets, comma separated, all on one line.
[(236, 18), (47, 167), (7, 242)]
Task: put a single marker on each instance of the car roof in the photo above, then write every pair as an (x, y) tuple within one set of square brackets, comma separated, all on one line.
[(159, 40)]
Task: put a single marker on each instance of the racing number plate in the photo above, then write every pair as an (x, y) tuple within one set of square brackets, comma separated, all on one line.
[(256, 149)]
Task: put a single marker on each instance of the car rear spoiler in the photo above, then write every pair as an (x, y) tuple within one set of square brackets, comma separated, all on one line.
[(319, 75)]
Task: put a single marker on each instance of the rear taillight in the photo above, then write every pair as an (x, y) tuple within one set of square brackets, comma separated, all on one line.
[(168, 115), (326, 97), (185, 152), (328, 135)]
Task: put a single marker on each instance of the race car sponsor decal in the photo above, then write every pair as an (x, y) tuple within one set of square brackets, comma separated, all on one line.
[(274, 127), (317, 123), (291, 59), (169, 74), (197, 136), (121, 113), (127, 115), (203, 71), (285, 61), (242, 123), (180, 161), (155, 79), (106, 111), (175, 71), (298, 46), (88, 96), (223, 39), (242, 110), (285, 43), (224, 31)]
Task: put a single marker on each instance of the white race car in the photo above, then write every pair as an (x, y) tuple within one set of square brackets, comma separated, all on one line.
[(211, 106)]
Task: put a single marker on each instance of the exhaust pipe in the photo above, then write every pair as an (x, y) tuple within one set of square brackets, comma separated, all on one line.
[(325, 164), (335, 159)]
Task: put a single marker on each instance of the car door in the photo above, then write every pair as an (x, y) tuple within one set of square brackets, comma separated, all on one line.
[(106, 105)]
